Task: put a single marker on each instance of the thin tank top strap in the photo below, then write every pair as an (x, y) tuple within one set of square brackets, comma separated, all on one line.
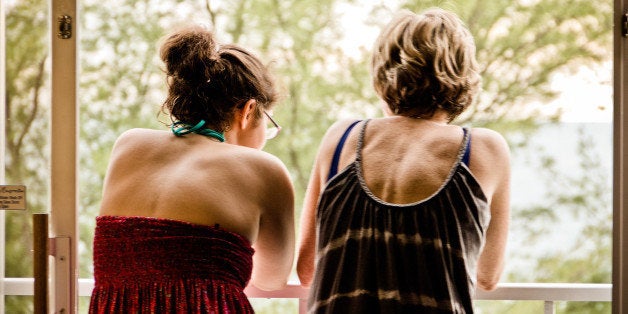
[(467, 146), (358, 151), (333, 168)]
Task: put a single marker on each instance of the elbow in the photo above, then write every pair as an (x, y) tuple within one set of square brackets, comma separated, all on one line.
[(487, 280), (305, 275), (487, 283), (487, 286), (305, 280), (488, 275), (268, 285), (270, 279), (305, 268)]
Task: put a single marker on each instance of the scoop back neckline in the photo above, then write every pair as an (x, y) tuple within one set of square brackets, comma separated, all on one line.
[(357, 163)]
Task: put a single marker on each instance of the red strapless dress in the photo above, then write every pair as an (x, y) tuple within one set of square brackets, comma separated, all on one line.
[(152, 265)]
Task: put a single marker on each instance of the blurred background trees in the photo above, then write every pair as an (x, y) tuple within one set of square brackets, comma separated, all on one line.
[(319, 51)]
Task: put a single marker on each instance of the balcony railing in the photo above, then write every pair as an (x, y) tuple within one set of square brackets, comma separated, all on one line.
[(549, 293)]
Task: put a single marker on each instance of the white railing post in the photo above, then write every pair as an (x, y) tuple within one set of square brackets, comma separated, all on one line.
[(549, 307), (302, 306)]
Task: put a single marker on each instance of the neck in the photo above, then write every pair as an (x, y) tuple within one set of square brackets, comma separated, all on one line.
[(437, 119)]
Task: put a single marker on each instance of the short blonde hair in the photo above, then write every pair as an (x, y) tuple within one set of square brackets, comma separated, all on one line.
[(425, 62)]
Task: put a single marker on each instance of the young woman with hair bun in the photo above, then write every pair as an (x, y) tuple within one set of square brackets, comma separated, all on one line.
[(190, 215)]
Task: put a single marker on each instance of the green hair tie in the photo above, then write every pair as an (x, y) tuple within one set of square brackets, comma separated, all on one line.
[(180, 129)]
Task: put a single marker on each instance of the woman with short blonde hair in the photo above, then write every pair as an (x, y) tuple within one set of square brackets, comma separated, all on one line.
[(403, 214)]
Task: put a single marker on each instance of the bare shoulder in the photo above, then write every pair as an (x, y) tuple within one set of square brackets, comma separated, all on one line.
[(265, 165), (340, 126), (137, 135), (134, 139), (490, 160), (335, 131), (333, 135), (271, 163), (490, 141), (135, 146), (134, 133)]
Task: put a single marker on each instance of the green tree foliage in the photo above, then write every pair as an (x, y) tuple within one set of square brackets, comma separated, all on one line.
[(581, 199), (27, 107), (521, 45)]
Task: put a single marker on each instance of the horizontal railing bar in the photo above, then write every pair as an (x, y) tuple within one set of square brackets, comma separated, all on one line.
[(548, 292), (18, 286), (582, 292), (291, 291)]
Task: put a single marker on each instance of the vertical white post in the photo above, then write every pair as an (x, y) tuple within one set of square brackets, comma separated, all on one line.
[(63, 157), (3, 91), (549, 307), (302, 306)]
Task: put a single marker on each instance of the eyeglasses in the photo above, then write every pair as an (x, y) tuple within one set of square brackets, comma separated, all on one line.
[(271, 132)]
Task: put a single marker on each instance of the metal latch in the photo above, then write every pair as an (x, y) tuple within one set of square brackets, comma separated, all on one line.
[(624, 25), (65, 26)]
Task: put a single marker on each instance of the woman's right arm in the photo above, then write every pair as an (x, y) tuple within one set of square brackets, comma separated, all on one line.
[(307, 238)]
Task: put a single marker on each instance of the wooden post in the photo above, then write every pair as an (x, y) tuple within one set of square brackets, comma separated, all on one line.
[(63, 155), (40, 262), (620, 158)]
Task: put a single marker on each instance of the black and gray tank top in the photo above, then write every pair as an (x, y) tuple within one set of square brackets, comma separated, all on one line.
[(378, 257)]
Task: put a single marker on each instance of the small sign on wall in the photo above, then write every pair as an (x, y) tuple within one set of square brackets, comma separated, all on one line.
[(12, 197)]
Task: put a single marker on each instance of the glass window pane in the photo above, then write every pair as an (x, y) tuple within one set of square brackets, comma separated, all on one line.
[(26, 122)]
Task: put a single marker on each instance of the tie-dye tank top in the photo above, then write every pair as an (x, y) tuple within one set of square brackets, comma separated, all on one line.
[(379, 257)]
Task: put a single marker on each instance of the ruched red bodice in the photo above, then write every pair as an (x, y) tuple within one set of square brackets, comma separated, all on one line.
[(153, 265)]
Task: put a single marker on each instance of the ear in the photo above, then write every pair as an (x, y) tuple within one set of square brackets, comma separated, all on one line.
[(246, 114)]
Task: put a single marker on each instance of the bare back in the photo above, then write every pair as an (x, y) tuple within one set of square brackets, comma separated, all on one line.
[(405, 161), (192, 178)]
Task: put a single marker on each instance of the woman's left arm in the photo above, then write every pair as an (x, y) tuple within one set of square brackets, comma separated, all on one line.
[(490, 160), (274, 248)]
